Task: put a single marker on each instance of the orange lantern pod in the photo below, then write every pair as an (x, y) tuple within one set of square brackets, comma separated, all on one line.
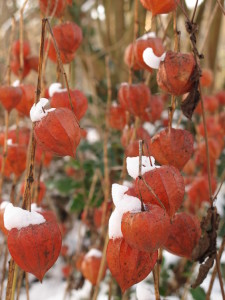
[(116, 117), (16, 48), (42, 156), (128, 265), (66, 57), (90, 266), (15, 67), (2, 210), (159, 7), (17, 158), (184, 234), (221, 97), (27, 99), (127, 135), (33, 62), (130, 59), (175, 73), (134, 97), (146, 230), (154, 110), (172, 147), (206, 79), (57, 131), (53, 7), (10, 96), (166, 183), (35, 247), (79, 102)]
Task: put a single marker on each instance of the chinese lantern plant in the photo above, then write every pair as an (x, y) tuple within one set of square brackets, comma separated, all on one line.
[(146, 230), (159, 7), (27, 99), (2, 211), (60, 98), (184, 234), (165, 184), (34, 240), (16, 159), (56, 129), (172, 147), (128, 265), (10, 96), (54, 8), (134, 97), (116, 117), (90, 266), (134, 52)]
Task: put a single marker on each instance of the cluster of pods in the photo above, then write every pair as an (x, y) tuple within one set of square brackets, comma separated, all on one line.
[(34, 238)]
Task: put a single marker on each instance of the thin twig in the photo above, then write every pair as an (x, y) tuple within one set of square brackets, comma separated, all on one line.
[(220, 276), (156, 283), (4, 269), (221, 6), (21, 41), (221, 184), (215, 270)]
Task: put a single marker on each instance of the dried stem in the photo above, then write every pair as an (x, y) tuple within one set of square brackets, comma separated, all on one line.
[(215, 270), (221, 184), (21, 41), (207, 145), (19, 283), (4, 269), (14, 281), (5, 150), (221, 6), (134, 39), (101, 269), (30, 178), (27, 285), (140, 171), (10, 279), (156, 283), (220, 276)]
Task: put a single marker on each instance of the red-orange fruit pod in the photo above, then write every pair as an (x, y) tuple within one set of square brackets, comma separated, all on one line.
[(175, 73), (127, 265), (35, 248), (79, 101), (10, 96), (15, 67), (184, 233), (21, 137), (147, 230), (53, 7), (198, 192), (141, 134), (27, 99), (159, 7), (90, 267), (41, 156), (130, 59), (58, 132), (221, 97), (172, 147), (2, 225), (33, 62), (16, 159), (134, 97), (66, 57), (16, 48), (206, 79), (116, 117), (106, 209), (147, 42), (154, 110), (166, 183), (68, 36)]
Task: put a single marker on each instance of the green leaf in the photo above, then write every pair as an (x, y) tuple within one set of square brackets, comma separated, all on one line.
[(78, 203), (65, 185), (198, 293)]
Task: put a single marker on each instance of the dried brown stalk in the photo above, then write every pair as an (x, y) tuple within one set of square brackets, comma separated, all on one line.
[(156, 283), (21, 41)]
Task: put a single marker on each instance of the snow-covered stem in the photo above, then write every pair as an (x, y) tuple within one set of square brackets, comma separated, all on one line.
[(101, 269), (208, 294), (61, 66)]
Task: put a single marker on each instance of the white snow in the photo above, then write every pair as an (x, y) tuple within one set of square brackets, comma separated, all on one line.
[(16, 83), (147, 36), (151, 59), (16, 217), (133, 165), (94, 253), (4, 204), (144, 291), (115, 225), (38, 112), (123, 204), (92, 135), (118, 192), (55, 87), (9, 142)]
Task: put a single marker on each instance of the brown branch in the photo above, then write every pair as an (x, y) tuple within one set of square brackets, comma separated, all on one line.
[(21, 41), (221, 6), (156, 283), (221, 184), (4, 268), (220, 276)]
